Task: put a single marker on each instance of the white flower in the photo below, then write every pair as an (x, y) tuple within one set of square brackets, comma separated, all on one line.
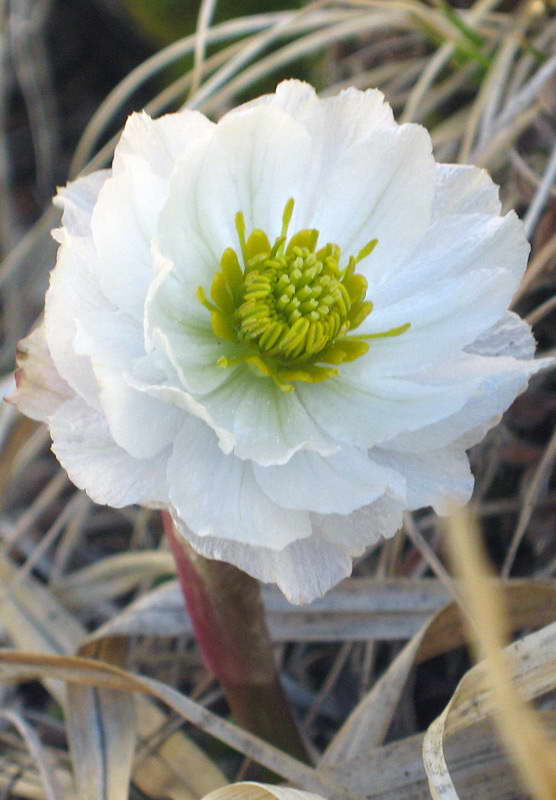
[(286, 400)]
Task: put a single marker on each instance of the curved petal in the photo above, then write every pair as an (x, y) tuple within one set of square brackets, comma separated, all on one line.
[(340, 483), (160, 142), (123, 224), (304, 570), (464, 189), (177, 324), (338, 121), (253, 163), (497, 382), (439, 478), (307, 568), (82, 443), (365, 173), (444, 319), (267, 425), (78, 199), (367, 413), (366, 526), (510, 336), (73, 293), (40, 388), (217, 495), (379, 188), (139, 423)]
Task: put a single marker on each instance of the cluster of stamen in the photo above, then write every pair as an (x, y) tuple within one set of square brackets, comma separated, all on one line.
[(288, 311)]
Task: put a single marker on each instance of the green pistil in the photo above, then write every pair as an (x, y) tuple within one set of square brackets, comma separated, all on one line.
[(289, 309)]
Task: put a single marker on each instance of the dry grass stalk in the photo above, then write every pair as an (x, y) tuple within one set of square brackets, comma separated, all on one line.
[(518, 725)]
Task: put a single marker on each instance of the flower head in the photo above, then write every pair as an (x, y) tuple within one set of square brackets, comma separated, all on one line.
[(285, 328)]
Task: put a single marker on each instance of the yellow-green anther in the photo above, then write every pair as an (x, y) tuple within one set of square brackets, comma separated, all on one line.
[(287, 311)]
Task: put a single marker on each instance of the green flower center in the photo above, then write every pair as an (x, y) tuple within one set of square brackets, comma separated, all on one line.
[(289, 311)]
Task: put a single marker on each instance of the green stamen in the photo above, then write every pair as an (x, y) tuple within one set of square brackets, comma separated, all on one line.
[(287, 311)]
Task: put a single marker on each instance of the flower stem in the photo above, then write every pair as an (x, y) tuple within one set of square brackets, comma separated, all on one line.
[(228, 617)]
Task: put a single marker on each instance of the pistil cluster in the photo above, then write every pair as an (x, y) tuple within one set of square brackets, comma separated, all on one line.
[(290, 309)]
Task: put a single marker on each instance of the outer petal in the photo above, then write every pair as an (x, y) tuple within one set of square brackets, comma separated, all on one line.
[(94, 462), (365, 527), (73, 293), (40, 387), (497, 382), (464, 189), (217, 495), (123, 225), (436, 478), (307, 568), (78, 199), (457, 284), (510, 336), (160, 142), (339, 483), (340, 121)]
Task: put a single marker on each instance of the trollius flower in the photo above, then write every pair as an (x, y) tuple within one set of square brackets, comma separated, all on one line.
[(285, 328)]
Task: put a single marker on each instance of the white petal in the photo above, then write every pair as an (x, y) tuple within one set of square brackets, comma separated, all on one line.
[(177, 324), (78, 199), (444, 318), (307, 568), (510, 336), (139, 423), (496, 383), (438, 478), (365, 527), (217, 495), (304, 570), (160, 142), (94, 462), (454, 246), (40, 387), (73, 293), (254, 162), (367, 413), (365, 170), (339, 483), (380, 188), (267, 425), (464, 189), (123, 224), (338, 121)]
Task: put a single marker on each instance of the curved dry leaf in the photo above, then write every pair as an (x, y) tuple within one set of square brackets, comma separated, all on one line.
[(249, 790), (533, 665), (529, 604)]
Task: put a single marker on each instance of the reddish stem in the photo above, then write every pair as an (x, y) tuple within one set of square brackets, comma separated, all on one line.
[(228, 617)]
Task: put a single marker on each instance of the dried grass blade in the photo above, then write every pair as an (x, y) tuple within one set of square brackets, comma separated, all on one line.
[(17, 665), (527, 667), (36, 621), (52, 788), (358, 609)]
